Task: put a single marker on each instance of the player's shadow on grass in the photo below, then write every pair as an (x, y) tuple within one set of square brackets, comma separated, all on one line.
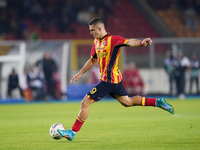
[(75, 141)]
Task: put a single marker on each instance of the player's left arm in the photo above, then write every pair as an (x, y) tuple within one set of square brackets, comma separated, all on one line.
[(85, 68), (138, 43)]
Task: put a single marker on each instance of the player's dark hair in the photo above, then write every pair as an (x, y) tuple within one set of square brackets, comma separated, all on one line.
[(95, 21)]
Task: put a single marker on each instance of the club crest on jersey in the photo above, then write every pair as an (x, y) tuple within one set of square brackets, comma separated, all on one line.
[(104, 43)]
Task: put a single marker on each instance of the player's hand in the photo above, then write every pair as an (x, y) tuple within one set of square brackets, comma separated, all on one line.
[(75, 77), (146, 42)]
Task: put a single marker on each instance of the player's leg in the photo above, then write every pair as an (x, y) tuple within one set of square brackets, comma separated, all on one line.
[(135, 101), (98, 92), (84, 111), (121, 95), (144, 101), (82, 116)]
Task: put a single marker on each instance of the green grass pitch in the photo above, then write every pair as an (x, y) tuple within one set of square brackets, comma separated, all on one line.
[(109, 126)]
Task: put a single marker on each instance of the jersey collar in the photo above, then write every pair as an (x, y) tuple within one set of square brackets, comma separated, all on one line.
[(105, 36)]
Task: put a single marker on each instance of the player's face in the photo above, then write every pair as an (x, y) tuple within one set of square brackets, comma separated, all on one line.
[(95, 31)]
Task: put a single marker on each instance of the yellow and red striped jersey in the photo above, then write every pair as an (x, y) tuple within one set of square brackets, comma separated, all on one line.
[(107, 51)]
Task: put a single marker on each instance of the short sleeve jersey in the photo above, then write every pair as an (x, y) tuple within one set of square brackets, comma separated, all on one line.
[(107, 51)]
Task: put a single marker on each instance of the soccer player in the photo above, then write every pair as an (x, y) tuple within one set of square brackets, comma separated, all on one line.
[(106, 50)]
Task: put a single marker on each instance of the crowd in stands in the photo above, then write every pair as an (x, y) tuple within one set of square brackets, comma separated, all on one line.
[(189, 9), (17, 15), (182, 4)]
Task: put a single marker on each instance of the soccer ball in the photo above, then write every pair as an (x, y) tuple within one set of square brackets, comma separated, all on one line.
[(53, 130)]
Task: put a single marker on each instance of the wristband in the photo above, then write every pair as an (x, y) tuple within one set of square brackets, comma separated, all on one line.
[(141, 43)]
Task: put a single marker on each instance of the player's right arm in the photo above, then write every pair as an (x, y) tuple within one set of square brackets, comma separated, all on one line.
[(138, 43), (117, 40), (85, 68)]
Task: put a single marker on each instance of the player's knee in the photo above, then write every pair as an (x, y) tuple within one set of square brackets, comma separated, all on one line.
[(131, 101), (86, 102), (138, 97), (127, 104), (124, 100), (83, 103)]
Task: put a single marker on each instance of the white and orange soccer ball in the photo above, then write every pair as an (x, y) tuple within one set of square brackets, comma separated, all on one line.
[(53, 130)]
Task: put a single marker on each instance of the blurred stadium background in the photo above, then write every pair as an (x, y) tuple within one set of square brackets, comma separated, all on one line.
[(28, 28)]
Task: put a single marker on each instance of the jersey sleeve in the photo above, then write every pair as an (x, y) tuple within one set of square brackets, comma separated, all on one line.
[(118, 40), (93, 52)]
